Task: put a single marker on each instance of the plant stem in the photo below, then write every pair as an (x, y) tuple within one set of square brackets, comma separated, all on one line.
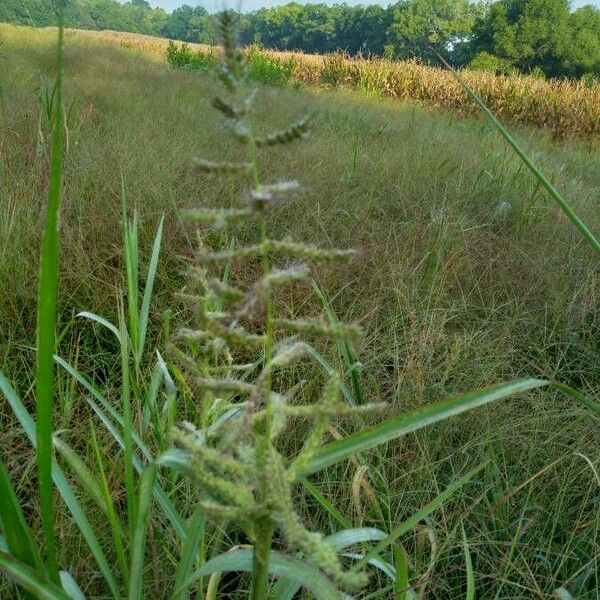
[(262, 550)]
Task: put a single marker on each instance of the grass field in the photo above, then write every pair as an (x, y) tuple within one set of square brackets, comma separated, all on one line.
[(468, 276)]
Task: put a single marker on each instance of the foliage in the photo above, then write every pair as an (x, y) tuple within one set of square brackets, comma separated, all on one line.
[(518, 34), (268, 69), (542, 34)]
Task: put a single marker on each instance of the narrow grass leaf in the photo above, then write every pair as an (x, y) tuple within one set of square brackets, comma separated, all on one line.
[(280, 566), (65, 490), (554, 193), (101, 320), (386, 431), (70, 586), (469, 566), (401, 585), (17, 535), (287, 589), (31, 580), (345, 349), (325, 503), (127, 426), (170, 511), (46, 321), (145, 310), (578, 396), (115, 524), (78, 466), (189, 552), (136, 579)]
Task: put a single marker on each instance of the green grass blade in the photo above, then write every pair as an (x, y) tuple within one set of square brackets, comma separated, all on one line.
[(145, 310), (339, 541), (330, 369), (401, 585), (469, 566), (46, 323), (130, 248), (109, 507), (101, 320), (65, 490), (280, 566), (578, 396), (70, 586), (16, 532), (326, 504), (189, 552), (554, 193), (350, 361), (30, 580), (410, 523), (371, 437), (171, 513), (136, 579), (78, 466), (127, 427)]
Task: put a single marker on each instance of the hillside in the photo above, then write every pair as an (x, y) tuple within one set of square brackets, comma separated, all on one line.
[(467, 276)]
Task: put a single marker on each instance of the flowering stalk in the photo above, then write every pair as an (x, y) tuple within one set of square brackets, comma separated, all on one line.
[(236, 461)]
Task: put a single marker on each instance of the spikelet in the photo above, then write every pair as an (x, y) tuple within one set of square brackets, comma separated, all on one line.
[(315, 548), (233, 70), (264, 196), (319, 328), (216, 217), (222, 168), (295, 131)]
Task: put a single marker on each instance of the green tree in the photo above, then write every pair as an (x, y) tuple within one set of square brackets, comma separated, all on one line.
[(583, 56), (529, 34), (420, 28)]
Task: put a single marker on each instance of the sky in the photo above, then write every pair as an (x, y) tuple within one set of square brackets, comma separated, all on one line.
[(247, 5)]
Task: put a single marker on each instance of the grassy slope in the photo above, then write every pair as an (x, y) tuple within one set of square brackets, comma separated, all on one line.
[(467, 277)]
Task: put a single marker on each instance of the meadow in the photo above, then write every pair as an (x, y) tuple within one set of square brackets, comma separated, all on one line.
[(467, 276)]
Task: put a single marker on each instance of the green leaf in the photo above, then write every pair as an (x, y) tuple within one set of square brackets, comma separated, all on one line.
[(145, 310), (170, 511), (336, 451), (30, 579), (62, 485), (109, 507), (78, 466), (189, 552), (339, 541), (280, 566), (325, 503), (136, 580), (469, 565), (401, 585), (101, 321), (46, 320), (578, 397), (70, 586), (346, 352), (17, 534)]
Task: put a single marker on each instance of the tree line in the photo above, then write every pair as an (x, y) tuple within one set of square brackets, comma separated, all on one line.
[(545, 37)]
